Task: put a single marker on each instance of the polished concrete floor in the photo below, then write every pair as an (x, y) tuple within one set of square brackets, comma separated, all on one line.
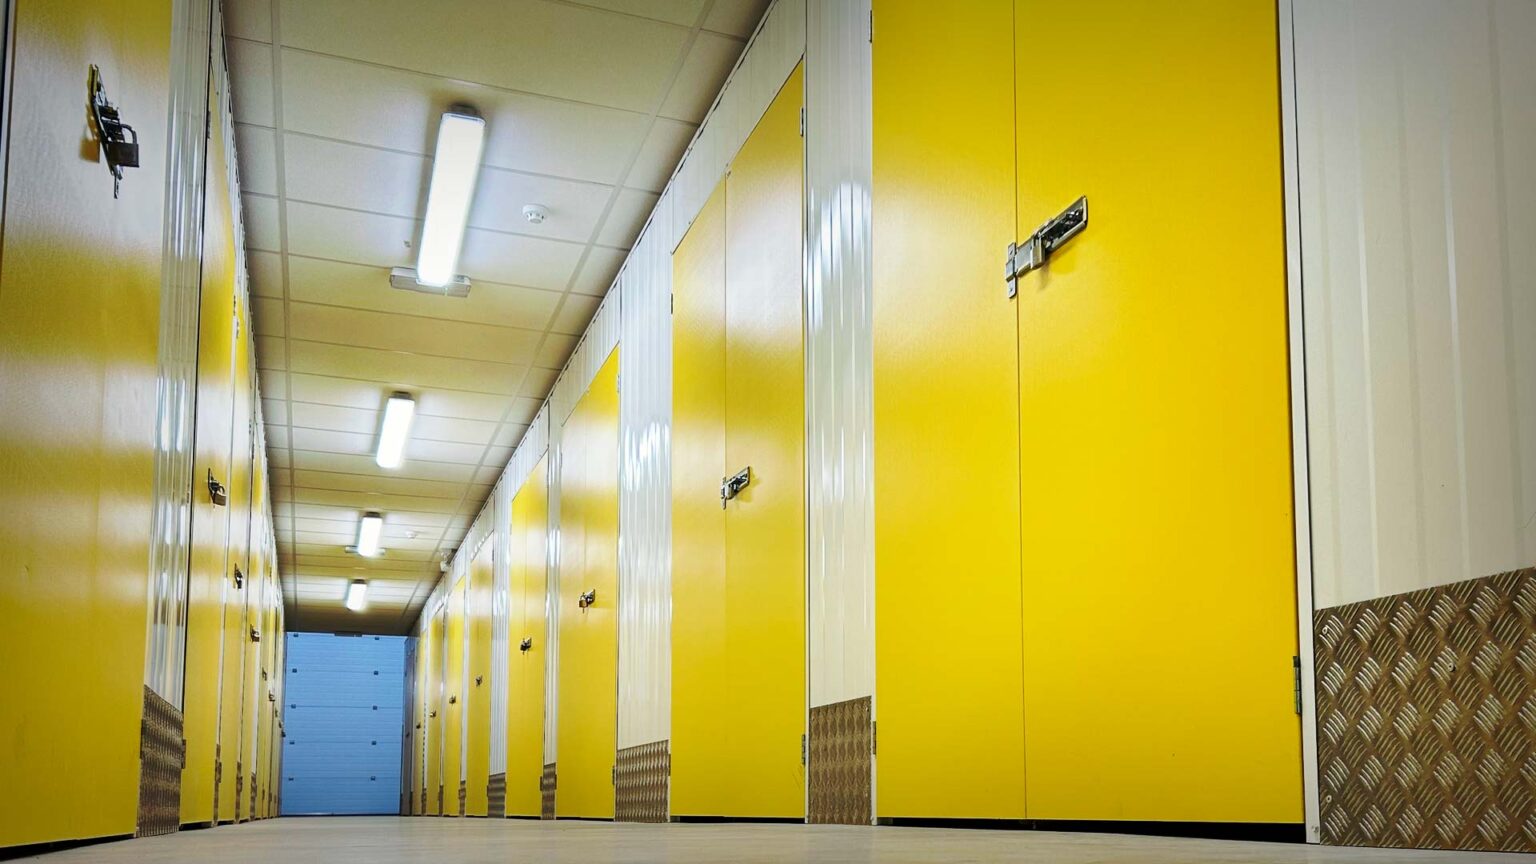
[(388, 839)]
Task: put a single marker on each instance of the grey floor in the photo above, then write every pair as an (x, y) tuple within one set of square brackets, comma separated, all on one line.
[(388, 839)]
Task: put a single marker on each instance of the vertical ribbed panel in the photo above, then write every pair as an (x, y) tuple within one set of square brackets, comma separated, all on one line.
[(552, 590), (645, 490), (770, 56), (839, 354), (591, 352), (500, 505), (176, 377), (409, 778), (1415, 128)]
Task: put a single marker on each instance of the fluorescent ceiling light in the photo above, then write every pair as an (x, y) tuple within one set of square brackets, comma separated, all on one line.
[(455, 164), (368, 533), (357, 595), (397, 425)]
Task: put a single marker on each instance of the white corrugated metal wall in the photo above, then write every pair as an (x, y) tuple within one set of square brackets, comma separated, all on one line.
[(839, 354)]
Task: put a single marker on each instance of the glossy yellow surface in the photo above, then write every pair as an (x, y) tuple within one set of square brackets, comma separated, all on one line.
[(589, 535), (525, 669), (1158, 578), (213, 437), (453, 697), (434, 708), (79, 323), (738, 401), (252, 695), (477, 702), (948, 658), (242, 533)]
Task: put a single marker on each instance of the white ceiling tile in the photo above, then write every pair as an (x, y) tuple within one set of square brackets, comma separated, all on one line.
[(329, 441), (405, 370), (452, 429), (359, 178), (538, 382), (515, 260), (575, 314), (735, 17), (554, 49), (709, 61), (510, 435), (277, 436), (334, 417), (383, 501), (573, 207), (659, 154), (597, 274), (250, 19), (262, 229), (268, 315), (371, 396), (250, 78), (555, 351), (523, 410), (365, 466), (451, 403), (365, 287), (257, 146), (681, 12), (337, 98), (275, 412), (444, 451), (630, 210), (270, 353), (346, 235), (266, 272), (391, 332)]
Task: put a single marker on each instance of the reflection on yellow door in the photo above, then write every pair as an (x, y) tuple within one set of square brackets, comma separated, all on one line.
[(525, 667), (453, 701), (243, 521), (477, 690), (760, 700), (1159, 619), (589, 539), (947, 639)]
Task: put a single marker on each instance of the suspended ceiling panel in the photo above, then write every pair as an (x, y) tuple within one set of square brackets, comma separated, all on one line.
[(588, 106)]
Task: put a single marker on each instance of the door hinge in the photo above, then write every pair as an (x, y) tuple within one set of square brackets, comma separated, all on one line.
[(802, 121), (614, 776), (671, 304), (804, 754), (1296, 672), (871, 26), (874, 738), (1032, 252)]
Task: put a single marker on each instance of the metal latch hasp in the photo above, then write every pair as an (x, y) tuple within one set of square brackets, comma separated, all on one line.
[(1032, 252)]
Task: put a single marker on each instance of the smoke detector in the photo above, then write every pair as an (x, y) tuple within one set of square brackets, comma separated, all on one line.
[(535, 213)]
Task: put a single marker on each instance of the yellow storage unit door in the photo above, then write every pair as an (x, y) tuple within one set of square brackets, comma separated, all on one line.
[(79, 330), (1159, 608), (738, 583), (700, 783), (760, 700), (589, 507), (434, 722), (477, 696), (213, 440), (525, 666), (948, 666), (242, 525), (453, 700)]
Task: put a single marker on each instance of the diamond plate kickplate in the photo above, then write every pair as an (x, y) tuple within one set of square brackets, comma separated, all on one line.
[(547, 792), (1426, 716), (162, 754), (841, 745), (496, 797), (640, 783)]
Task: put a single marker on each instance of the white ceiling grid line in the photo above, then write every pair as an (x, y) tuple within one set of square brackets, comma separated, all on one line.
[(589, 106)]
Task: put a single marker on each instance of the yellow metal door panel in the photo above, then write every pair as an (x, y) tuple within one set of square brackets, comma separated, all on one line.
[(477, 702), (525, 669), (250, 685), (761, 697), (948, 661), (79, 332), (700, 783), (242, 520), (589, 504), (434, 709), (453, 700), (1159, 607), (213, 438)]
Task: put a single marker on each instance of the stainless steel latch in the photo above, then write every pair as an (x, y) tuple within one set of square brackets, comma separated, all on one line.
[(731, 486), (1032, 253)]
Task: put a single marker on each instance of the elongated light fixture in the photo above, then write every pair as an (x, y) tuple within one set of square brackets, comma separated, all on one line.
[(357, 595), (460, 138), (397, 425), (368, 532)]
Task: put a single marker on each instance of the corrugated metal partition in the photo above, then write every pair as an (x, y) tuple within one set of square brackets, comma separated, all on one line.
[(839, 358), (344, 701), (645, 489)]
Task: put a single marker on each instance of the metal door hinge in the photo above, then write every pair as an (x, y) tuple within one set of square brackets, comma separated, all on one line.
[(613, 776), (216, 491), (731, 486), (672, 304), (804, 750), (873, 737), (1032, 252), (871, 26), (802, 121), (1296, 673)]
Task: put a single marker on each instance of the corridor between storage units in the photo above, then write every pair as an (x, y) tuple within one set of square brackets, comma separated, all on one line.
[(824, 429)]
